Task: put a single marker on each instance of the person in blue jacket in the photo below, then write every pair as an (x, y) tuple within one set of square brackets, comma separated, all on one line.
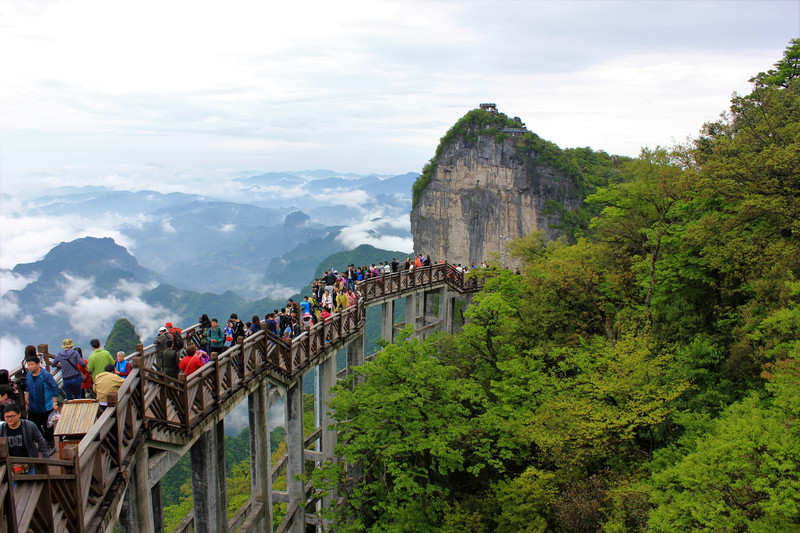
[(41, 396)]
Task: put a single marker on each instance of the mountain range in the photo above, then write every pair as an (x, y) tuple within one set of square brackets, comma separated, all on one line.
[(176, 255)]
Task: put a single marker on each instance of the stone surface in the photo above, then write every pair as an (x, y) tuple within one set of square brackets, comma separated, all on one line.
[(483, 194)]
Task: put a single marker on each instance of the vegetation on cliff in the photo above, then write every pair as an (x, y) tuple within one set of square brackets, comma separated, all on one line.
[(123, 337), (641, 378), (587, 169), (477, 122)]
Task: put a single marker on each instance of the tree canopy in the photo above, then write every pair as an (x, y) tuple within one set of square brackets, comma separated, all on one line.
[(641, 377)]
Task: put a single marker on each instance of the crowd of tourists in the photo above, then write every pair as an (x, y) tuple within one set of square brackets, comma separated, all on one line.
[(29, 404)]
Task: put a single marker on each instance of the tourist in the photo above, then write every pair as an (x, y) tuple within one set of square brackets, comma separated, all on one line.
[(327, 299), (169, 361), (121, 366), (105, 383), (41, 396), (228, 334), (205, 328), (216, 337), (98, 359), (190, 362), (161, 342), (5, 398), (342, 301), (70, 361), (255, 325), (237, 327), (86, 384), (23, 438)]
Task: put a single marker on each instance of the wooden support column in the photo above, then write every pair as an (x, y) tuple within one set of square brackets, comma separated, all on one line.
[(260, 456), (387, 321), (208, 482), (142, 499), (295, 457)]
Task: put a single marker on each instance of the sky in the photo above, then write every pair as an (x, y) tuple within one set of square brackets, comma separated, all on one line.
[(150, 92), (183, 95)]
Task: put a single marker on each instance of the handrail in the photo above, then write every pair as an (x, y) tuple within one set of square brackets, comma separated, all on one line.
[(149, 399)]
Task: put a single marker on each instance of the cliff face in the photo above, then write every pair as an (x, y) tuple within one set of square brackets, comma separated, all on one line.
[(486, 190)]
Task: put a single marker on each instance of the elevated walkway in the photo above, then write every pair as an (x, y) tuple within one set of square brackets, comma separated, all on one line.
[(112, 475)]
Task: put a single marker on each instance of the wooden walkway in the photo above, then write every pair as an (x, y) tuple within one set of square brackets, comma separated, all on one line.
[(81, 492)]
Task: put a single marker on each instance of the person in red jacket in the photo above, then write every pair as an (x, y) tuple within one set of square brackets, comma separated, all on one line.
[(190, 361)]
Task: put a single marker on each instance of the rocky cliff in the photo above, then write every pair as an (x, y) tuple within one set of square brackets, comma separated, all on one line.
[(490, 182)]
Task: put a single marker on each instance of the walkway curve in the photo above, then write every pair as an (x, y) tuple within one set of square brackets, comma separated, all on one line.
[(83, 489)]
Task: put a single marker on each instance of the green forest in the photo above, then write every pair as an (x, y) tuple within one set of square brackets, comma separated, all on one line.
[(640, 375)]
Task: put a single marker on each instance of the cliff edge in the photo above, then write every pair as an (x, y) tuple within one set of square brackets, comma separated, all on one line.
[(491, 181)]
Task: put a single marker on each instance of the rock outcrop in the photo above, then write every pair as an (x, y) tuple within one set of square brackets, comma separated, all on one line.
[(486, 186)]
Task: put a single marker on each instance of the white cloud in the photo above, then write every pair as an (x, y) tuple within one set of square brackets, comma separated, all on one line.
[(228, 228), (89, 314), (368, 86), (25, 238), (10, 281), (166, 225), (11, 352), (379, 232)]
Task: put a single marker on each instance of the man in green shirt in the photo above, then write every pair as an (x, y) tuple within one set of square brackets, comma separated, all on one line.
[(98, 359)]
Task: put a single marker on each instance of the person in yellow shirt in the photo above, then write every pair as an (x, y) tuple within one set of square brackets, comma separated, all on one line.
[(106, 382)]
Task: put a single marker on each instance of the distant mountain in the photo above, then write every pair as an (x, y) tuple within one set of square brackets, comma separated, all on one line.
[(81, 288), (240, 244), (99, 200), (101, 259), (296, 267), (78, 290)]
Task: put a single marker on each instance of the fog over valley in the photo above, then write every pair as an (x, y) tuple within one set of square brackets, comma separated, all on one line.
[(152, 256)]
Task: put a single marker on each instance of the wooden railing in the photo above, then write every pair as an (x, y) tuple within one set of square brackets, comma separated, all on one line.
[(76, 492)]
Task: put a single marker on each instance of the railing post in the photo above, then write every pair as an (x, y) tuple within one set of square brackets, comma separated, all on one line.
[(138, 362), (240, 358), (185, 407), (70, 453), (9, 509)]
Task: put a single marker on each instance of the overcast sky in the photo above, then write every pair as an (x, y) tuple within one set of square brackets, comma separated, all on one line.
[(92, 91)]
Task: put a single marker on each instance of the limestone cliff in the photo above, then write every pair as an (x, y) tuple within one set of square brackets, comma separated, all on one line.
[(488, 184)]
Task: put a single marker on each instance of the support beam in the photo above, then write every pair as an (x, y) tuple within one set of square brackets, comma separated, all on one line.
[(208, 490), (387, 321), (411, 311), (158, 508), (355, 352), (446, 309), (260, 456), (294, 451), (127, 512), (143, 504), (327, 373)]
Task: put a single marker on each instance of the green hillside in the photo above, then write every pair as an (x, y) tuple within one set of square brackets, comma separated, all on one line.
[(644, 377)]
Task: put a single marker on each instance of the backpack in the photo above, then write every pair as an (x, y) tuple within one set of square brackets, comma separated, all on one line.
[(177, 341)]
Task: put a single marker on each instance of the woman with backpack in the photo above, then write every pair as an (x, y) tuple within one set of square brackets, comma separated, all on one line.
[(69, 360)]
